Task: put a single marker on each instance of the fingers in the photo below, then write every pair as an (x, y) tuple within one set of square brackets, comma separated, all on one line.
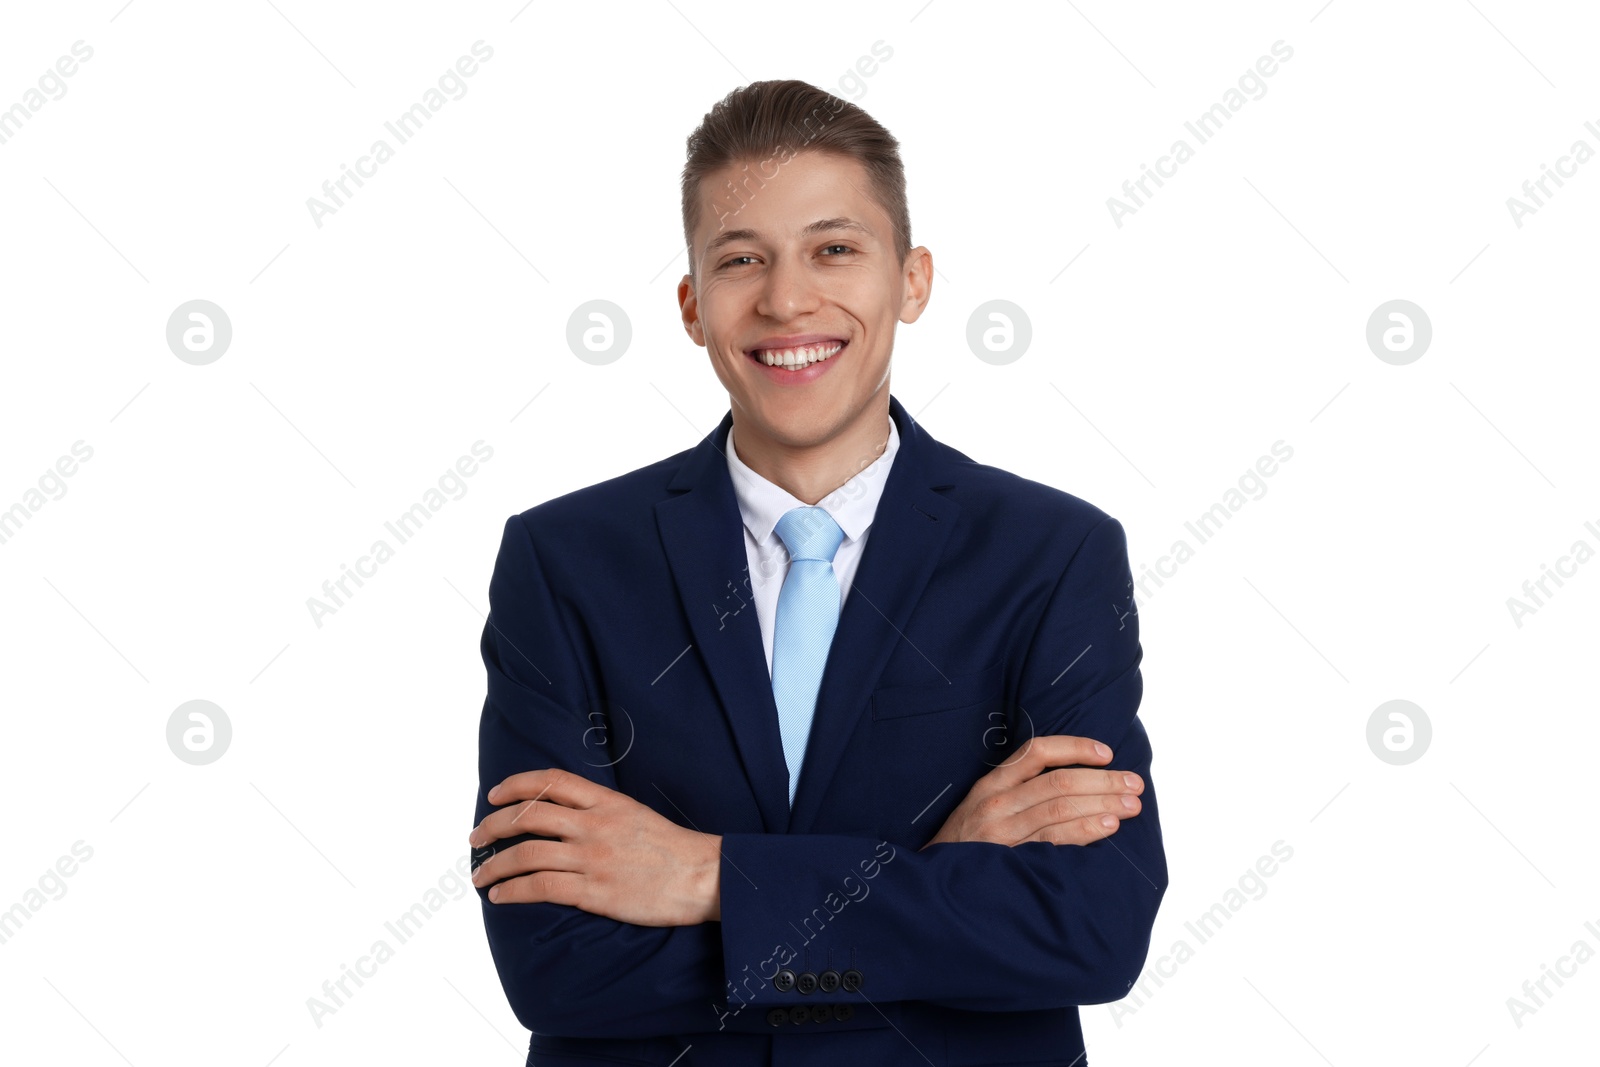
[(1082, 781), (553, 887), (557, 888), (1077, 818), (1084, 831), (1065, 782), (530, 817), (548, 792), (552, 784), (1070, 809), (525, 858), (1051, 750)]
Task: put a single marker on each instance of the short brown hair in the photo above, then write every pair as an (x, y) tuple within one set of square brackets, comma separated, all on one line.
[(769, 119)]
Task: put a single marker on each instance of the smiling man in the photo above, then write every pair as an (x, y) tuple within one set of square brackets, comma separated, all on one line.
[(816, 742)]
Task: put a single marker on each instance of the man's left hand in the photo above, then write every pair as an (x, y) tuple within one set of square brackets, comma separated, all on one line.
[(614, 857)]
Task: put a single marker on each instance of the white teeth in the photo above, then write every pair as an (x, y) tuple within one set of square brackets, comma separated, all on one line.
[(799, 357)]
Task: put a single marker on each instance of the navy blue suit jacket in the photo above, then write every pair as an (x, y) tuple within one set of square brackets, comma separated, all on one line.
[(622, 644)]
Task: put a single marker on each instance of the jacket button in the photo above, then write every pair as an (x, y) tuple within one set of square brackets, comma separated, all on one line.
[(806, 983), (799, 1013), (778, 1016), (828, 981), (784, 980), (851, 981), (822, 1013), (843, 1012)]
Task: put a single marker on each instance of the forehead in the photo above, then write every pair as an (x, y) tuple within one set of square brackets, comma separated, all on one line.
[(778, 200)]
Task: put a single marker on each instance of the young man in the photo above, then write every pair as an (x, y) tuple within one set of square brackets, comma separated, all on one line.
[(756, 787)]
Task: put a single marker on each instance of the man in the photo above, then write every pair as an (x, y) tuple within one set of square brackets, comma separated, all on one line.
[(756, 787)]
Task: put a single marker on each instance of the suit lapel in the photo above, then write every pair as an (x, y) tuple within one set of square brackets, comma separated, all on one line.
[(904, 545), (702, 533)]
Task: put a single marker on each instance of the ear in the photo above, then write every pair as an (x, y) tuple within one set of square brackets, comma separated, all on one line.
[(917, 283), (689, 308)]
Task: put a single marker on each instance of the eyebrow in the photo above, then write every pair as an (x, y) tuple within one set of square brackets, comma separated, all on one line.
[(820, 226)]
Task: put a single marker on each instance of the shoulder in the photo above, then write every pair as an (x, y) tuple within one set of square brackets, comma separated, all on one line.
[(604, 509), (1022, 510)]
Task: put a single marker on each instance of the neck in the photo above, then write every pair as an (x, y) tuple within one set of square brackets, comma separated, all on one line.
[(810, 473)]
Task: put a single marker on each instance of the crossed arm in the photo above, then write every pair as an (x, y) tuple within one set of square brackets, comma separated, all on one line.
[(619, 858)]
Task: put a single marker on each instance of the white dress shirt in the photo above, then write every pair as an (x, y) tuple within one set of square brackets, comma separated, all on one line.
[(762, 504)]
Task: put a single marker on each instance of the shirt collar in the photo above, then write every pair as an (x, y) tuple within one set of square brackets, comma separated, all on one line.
[(852, 505)]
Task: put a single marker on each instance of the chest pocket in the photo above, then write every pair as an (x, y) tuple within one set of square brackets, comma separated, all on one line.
[(930, 742), (925, 698)]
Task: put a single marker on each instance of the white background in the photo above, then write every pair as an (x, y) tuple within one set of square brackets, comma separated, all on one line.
[(430, 311)]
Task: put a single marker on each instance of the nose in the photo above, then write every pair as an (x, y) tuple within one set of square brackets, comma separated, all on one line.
[(789, 291)]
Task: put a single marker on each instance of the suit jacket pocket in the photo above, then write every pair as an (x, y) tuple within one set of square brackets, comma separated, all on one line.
[(929, 743), (924, 698)]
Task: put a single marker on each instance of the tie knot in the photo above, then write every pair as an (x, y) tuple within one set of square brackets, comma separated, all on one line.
[(810, 533)]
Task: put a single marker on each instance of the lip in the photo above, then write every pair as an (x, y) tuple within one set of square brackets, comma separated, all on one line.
[(781, 376), (794, 340)]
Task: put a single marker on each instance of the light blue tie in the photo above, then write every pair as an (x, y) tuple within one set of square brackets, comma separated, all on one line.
[(808, 613)]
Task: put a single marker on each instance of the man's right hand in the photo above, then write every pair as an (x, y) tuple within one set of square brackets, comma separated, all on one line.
[(1021, 800)]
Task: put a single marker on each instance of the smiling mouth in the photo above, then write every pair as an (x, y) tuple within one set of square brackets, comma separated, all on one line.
[(799, 357)]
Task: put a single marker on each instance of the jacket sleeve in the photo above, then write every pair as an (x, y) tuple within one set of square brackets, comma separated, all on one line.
[(565, 971), (977, 925)]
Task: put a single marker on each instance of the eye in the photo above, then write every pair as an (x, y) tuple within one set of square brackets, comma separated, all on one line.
[(734, 262)]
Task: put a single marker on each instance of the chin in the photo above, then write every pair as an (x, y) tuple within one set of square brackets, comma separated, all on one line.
[(804, 428)]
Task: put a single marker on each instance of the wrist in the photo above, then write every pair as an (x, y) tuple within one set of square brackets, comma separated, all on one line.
[(711, 878)]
